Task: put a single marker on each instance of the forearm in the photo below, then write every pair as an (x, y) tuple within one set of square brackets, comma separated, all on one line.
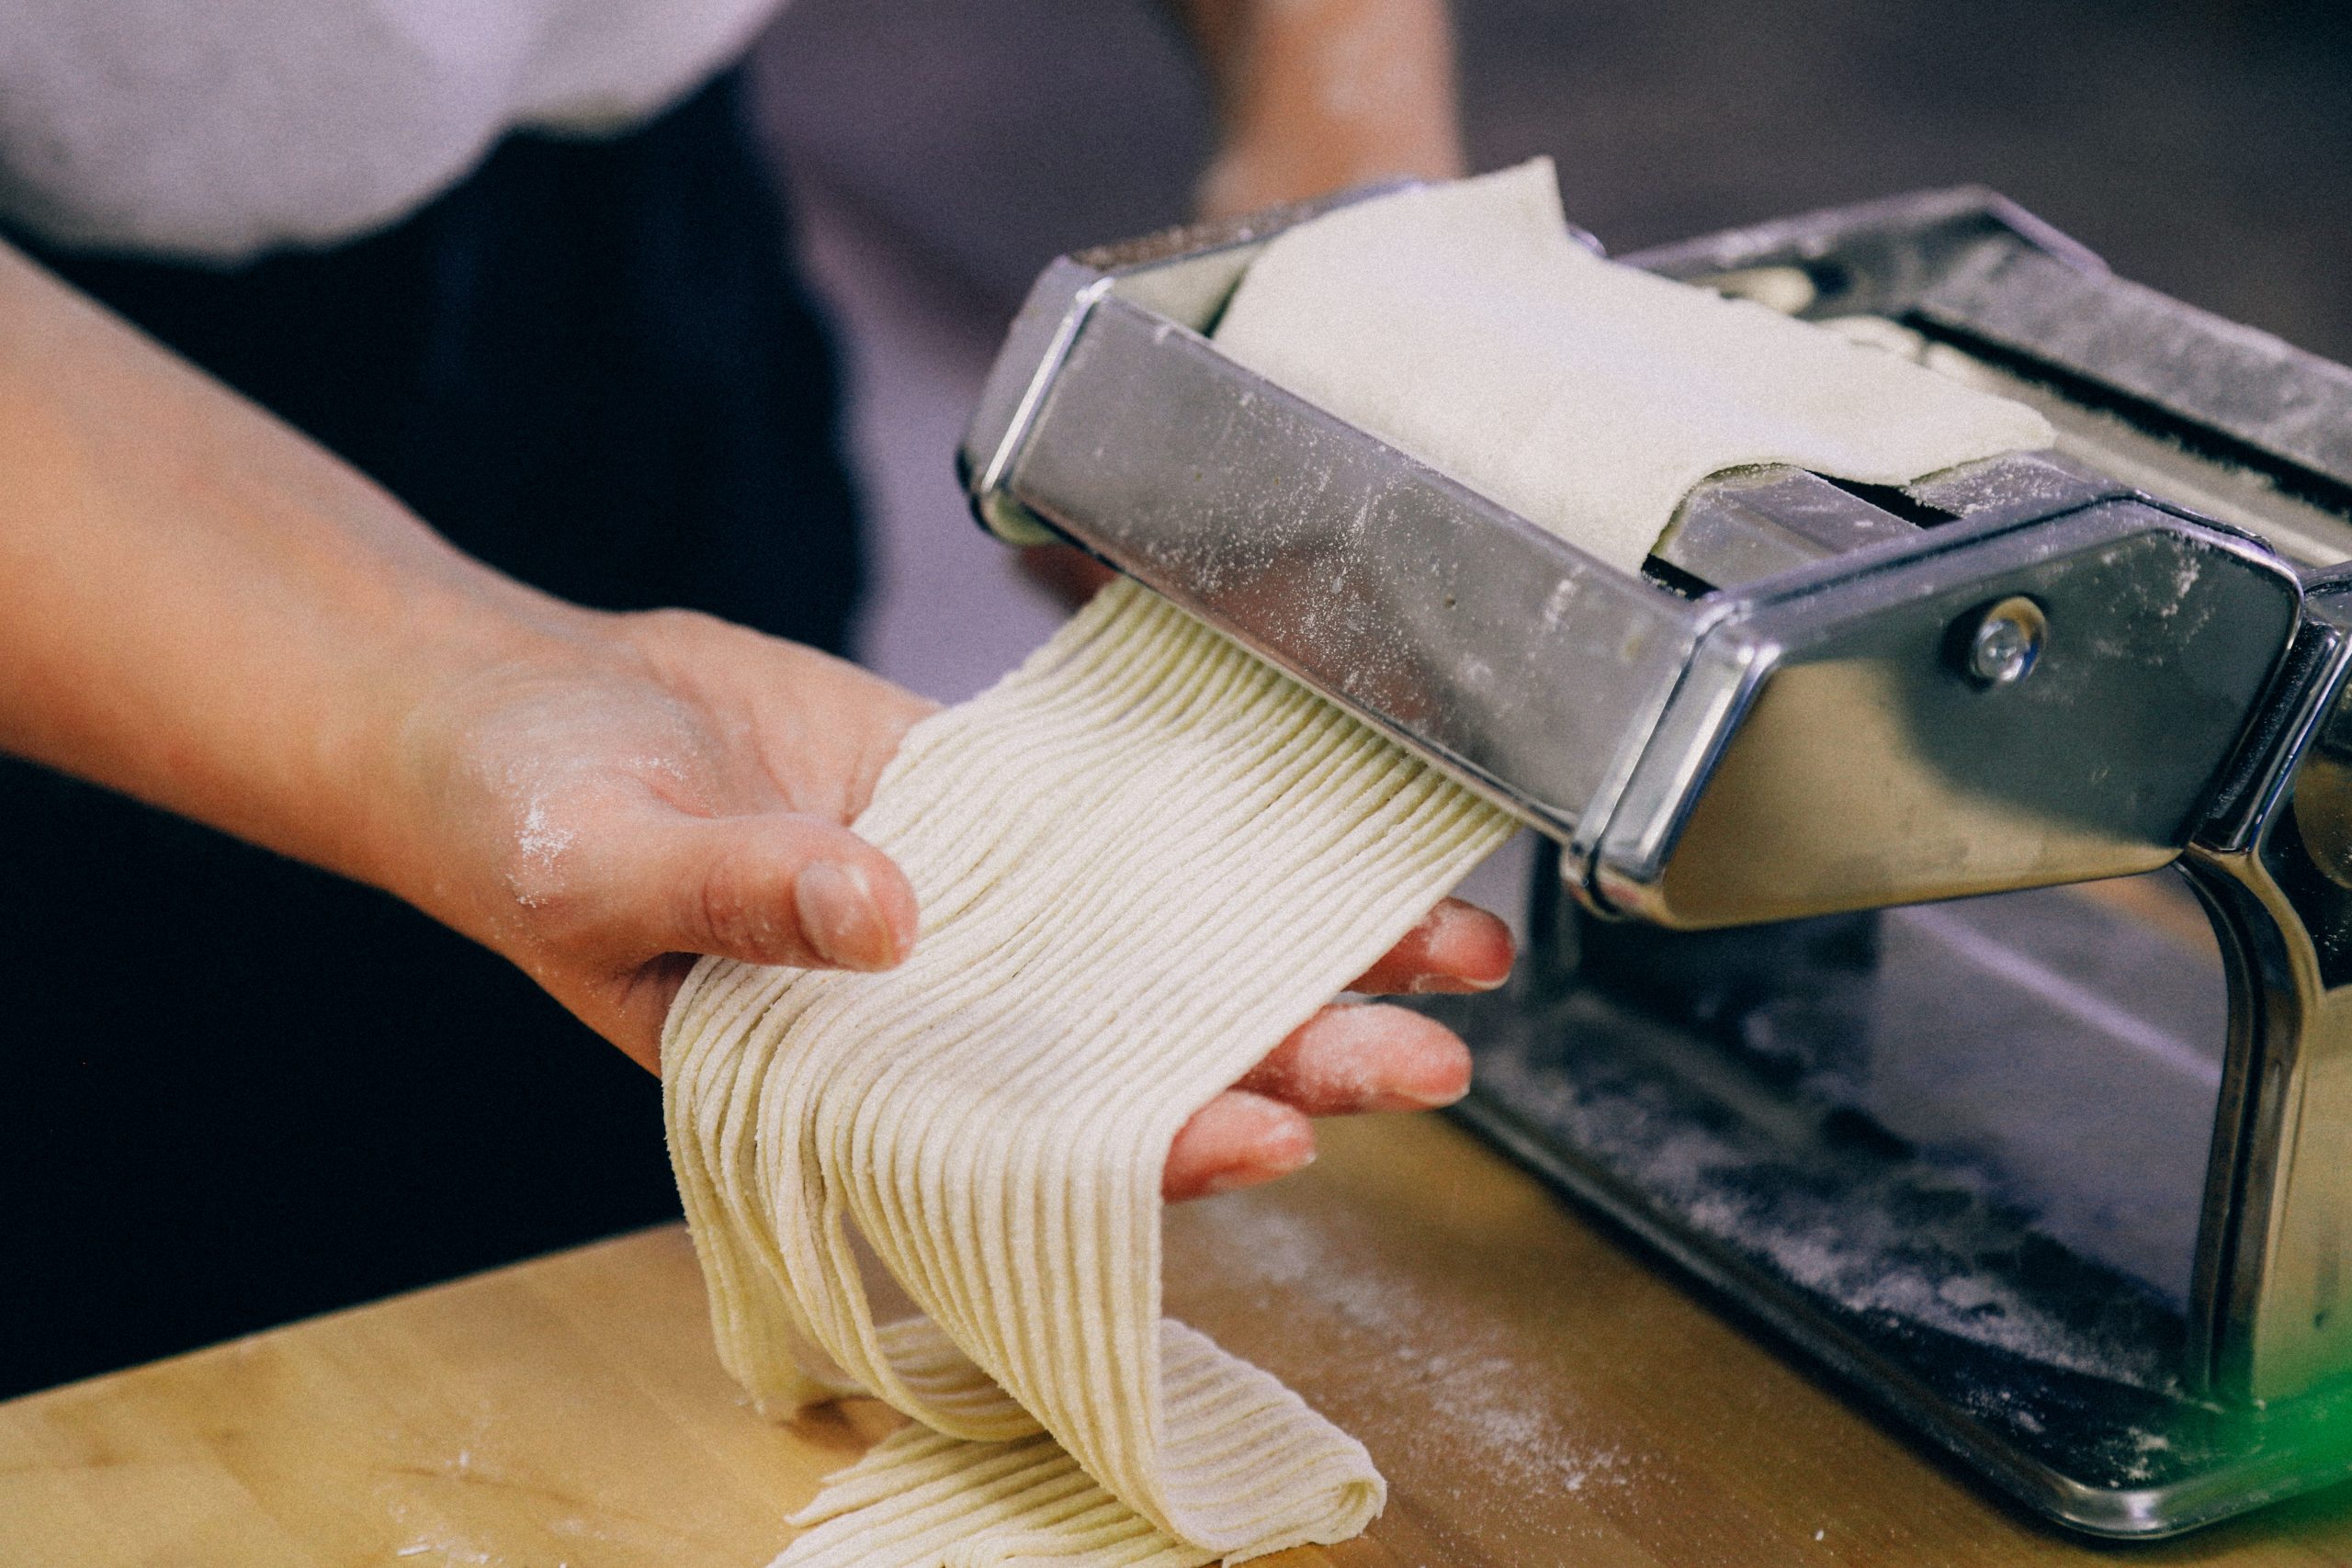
[(207, 611), (211, 612), (1317, 95)]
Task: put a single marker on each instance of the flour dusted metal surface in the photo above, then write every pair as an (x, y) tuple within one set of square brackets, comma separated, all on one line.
[(1464, 325)]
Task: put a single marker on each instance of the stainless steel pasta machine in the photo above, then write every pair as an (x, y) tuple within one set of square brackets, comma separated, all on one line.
[(1942, 947)]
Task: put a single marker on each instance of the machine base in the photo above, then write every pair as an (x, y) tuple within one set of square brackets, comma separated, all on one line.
[(2050, 1375)]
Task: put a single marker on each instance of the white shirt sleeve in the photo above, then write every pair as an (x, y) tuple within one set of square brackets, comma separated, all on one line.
[(217, 130)]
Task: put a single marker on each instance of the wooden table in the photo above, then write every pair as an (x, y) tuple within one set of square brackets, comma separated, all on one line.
[(1536, 1394)]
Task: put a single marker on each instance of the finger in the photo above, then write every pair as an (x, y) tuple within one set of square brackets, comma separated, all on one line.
[(1457, 947), (775, 887), (1237, 1140), (1364, 1056)]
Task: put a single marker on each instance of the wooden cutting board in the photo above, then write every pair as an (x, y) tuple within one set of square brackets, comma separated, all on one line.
[(1536, 1394)]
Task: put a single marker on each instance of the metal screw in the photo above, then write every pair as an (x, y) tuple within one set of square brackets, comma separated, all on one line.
[(2006, 641)]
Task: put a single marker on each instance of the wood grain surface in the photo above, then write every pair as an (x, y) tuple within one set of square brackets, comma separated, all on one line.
[(1535, 1393)]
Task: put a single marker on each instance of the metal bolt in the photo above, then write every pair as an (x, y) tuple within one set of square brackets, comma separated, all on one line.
[(2006, 641)]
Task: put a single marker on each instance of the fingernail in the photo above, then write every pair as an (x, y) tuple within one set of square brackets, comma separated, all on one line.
[(1456, 984), (1400, 1097), (1258, 1172), (1448, 926), (839, 917)]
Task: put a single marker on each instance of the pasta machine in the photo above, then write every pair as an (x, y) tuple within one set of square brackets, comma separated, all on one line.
[(1942, 942)]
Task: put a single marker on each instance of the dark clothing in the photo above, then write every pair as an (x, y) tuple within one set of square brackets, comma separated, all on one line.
[(589, 364), (240, 1090)]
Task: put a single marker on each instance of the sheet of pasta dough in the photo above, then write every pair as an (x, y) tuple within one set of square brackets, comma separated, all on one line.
[(1142, 859), (1465, 324)]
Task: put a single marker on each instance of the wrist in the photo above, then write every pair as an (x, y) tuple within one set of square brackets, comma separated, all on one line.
[(1296, 163)]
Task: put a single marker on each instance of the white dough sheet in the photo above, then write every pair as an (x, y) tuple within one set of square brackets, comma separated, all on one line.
[(1142, 860), (1466, 326)]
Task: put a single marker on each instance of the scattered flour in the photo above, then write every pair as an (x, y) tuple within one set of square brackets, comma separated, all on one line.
[(1458, 1386)]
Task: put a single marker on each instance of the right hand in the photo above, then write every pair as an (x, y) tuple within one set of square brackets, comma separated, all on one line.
[(606, 805)]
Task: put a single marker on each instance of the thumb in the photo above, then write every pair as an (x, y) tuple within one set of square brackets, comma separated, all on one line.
[(777, 887)]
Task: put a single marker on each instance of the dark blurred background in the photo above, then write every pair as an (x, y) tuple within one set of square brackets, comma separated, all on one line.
[(942, 154)]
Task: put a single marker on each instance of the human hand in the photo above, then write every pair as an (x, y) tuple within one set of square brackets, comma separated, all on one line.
[(603, 806), (652, 787), (215, 616), (1350, 1058)]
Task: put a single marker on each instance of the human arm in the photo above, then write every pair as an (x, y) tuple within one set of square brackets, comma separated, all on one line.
[(1315, 95), (211, 614)]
